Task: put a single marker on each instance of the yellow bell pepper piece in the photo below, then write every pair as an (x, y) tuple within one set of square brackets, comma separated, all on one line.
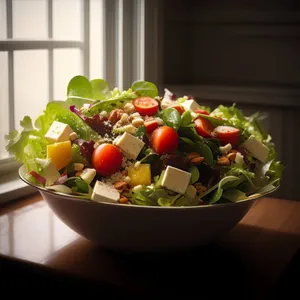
[(140, 174), (60, 154)]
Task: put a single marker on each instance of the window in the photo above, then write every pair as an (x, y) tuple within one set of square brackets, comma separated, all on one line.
[(44, 43)]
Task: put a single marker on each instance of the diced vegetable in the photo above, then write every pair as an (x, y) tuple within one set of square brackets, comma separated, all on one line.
[(60, 154), (140, 175)]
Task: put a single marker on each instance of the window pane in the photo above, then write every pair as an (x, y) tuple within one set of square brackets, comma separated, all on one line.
[(67, 63), (2, 19), (30, 19), (31, 83), (67, 16), (3, 102), (96, 39)]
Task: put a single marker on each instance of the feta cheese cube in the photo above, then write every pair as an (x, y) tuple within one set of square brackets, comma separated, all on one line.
[(176, 180), (130, 145), (88, 175), (256, 148), (191, 105), (103, 192), (191, 191), (58, 132)]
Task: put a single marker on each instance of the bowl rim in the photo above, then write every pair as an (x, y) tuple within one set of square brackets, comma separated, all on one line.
[(251, 198)]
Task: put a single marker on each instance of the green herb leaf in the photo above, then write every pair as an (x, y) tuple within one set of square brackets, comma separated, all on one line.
[(141, 131), (186, 118), (171, 117), (79, 86), (195, 174), (100, 89), (145, 88), (234, 195), (206, 152)]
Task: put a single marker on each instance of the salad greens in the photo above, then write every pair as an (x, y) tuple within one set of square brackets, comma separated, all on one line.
[(93, 135)]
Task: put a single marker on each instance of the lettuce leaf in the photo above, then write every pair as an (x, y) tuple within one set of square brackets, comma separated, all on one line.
[(26, 143)]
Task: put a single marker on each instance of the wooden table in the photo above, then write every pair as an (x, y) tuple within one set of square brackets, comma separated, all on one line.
[(258, 259)]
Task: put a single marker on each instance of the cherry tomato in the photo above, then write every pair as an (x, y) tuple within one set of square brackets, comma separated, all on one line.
[(204, 127), (150, 125), (201, 111), (164, 139), (227, 134), (145, 106), (179, 108), (107, 159)]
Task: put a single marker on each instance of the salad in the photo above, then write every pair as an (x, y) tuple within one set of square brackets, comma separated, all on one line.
[(135, 147)]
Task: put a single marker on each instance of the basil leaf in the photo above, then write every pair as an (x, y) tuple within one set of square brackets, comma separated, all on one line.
[(234, 195), (190, 133), (195, 174), (79, 86), (206, 152), (140, 131), (144, 88), (187, 141), (186, 118), (100, 89), (171, 117)]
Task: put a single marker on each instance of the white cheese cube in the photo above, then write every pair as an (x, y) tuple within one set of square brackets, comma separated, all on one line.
[(88, 175), (130, 145), (191, 105), (176, 180), (191, 192), (256, 148), (103, 192), (58, 132)]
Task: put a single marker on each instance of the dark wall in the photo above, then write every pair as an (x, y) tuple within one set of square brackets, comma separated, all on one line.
[(245, 52)]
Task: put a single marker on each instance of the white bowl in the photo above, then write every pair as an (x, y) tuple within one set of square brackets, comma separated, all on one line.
[(133, 228)]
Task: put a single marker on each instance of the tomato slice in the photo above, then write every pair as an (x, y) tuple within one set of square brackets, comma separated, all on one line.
[(107, 159), (204, 127), (164, 139), (227, 134), (201, 111), (150, 125), (179, 108), (145, 106)]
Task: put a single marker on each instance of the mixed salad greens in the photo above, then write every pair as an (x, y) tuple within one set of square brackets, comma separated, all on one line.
[(138, 148)]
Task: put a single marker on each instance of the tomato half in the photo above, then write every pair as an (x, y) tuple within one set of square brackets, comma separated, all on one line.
[(201, 111), (150, 125), (164, 139), (107, 159), (227, 134), (145, 106), (204, 127), (179, 108)]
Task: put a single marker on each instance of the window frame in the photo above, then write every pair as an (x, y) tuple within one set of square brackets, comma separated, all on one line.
[(125, 60)]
